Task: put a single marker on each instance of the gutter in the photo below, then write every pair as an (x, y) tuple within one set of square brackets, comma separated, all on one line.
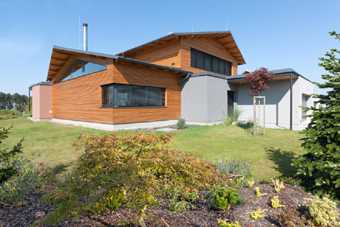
[(185, 79)]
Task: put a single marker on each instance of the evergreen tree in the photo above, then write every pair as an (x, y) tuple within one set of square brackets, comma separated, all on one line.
[(320, 166)]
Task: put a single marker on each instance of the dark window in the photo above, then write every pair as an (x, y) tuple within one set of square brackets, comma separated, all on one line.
[(82, 68), (126, 95), (209, 62)]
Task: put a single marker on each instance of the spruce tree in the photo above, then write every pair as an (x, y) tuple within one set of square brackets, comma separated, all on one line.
[(320, 166)]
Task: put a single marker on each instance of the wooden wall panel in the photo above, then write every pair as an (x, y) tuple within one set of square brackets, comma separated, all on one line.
[(166, 54), (129, 73), (177, 53), (209, 46), (80, 98)]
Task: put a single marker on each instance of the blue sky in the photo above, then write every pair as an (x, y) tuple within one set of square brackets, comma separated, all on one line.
[(273, 34)]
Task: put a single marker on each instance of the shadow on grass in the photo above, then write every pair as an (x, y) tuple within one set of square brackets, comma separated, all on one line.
[(248, 128), (283, 160)]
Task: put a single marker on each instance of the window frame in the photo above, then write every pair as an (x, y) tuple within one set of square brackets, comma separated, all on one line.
[(196, 62), (115, 96)]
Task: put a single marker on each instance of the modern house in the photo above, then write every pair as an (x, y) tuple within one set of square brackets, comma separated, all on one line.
[(181, 75)]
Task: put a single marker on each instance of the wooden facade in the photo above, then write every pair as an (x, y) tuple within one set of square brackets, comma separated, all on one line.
[(81, 98)]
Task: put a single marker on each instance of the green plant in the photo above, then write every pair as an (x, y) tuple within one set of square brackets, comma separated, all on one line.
[(181, 123), (265, 181), (250, 183), (257, 214), (289, 217), (224, 223), (233, 115), (230, 166), (8, 164), (322, 212), (31, 176), (258, 193), (291, 180), (277, 185), (181, 206), (144, 164), (223, 197), (276, 203), (319, 167)]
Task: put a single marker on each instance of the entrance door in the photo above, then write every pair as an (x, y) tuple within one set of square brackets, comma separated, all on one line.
[(231, 100)]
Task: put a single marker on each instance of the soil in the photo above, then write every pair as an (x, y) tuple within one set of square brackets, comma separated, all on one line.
[(290, 196)]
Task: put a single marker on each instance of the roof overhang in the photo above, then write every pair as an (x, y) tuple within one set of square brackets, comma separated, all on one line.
[(62, 57), (225, 38), (280, 74)]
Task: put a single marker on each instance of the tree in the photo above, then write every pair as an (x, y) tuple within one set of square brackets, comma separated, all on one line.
[(258, 79), (320, 166), (8, 162)]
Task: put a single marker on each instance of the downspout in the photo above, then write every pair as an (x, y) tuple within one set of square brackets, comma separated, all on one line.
[(186, 78), (291, 102), (29, 99)]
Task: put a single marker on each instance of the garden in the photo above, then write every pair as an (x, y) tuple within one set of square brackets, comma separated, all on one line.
[(223, 175)]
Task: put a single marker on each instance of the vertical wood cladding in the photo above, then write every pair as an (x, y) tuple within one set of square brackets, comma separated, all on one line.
[(81, 98), (177, 53)]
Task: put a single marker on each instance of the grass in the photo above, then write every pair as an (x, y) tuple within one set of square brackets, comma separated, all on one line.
[(47, 138), (269, 155)]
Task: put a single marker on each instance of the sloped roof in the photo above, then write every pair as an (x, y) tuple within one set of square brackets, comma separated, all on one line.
[(225, 38), (61, 56)]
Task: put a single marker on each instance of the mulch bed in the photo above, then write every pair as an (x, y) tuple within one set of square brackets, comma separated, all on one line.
[(290, 196)]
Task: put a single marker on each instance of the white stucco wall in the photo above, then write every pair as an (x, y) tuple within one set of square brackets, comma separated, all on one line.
[(277, 102)]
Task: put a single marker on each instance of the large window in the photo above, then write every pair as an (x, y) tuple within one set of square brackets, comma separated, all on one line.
[(209, 62), (82, 68), (126, 95)]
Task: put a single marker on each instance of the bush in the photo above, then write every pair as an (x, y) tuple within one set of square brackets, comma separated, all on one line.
[(289, 217), (322, 213), (143, 166), (228, 165), (8, 164), (181, 123), (233, 115), (31, 175), (223, 197)]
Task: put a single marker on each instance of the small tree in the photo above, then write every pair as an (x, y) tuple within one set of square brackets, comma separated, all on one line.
[(8, 163), (320, 166), (258, 79)]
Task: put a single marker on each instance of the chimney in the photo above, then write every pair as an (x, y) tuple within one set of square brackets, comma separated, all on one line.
[(85, 36)]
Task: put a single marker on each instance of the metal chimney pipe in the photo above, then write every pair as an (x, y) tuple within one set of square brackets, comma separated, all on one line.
[(85, 36)]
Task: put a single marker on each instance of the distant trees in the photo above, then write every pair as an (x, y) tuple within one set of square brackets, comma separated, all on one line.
[(8, 101)]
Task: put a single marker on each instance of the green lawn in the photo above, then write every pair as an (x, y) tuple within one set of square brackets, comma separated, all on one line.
[(47, 138), (269, 155)]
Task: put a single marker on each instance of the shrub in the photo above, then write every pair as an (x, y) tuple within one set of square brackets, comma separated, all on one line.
[(289, 217), (144, 165), (322, 213), (257, 214), (224, 223), (277, 185), (258, 193), (31, 175), (223, 197), (233, 115), (276, 203), (228, 165), (181, 123), (8, 164), (319, 167)]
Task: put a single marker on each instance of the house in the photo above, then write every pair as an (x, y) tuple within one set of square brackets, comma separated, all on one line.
[(181, 75)]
